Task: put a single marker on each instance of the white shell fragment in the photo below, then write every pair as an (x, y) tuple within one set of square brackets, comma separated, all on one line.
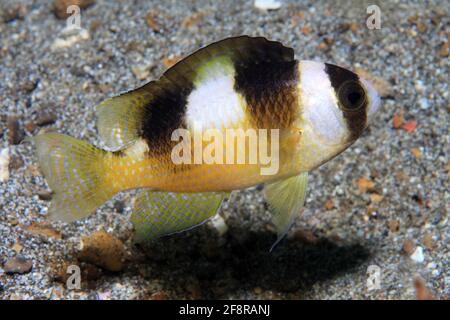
[(4, 165), (267, 4), (417, 255), (219, 224), (69, 36)]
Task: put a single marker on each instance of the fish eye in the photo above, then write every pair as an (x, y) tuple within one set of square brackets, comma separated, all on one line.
[(351, 96)]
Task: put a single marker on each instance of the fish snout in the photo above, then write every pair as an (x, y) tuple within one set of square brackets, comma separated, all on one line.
[(374, 101)]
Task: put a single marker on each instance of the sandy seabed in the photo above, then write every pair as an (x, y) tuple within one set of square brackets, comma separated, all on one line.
[(383, 202)]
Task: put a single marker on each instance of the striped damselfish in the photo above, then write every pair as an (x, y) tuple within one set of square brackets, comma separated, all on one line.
[(170, 137)]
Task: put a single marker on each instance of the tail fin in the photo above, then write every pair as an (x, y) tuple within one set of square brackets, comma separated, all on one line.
[(74, 170)]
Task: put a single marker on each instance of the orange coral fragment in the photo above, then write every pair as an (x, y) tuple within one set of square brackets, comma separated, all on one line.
[(329, 204), (365, 184), (410, 126), (376, 198), (168, 62), (416, 152), (397, 121)]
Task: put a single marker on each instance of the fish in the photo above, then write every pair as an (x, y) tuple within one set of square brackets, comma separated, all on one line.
[(305, 112)]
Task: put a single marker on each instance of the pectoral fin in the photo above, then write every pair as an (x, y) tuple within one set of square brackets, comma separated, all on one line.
[(286, 198), (161, 213)]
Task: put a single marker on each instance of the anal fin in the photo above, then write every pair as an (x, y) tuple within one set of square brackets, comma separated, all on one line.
[(156, 214), (286, 198)]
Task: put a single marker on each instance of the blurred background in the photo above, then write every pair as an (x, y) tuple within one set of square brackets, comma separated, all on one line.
[(375, 224)]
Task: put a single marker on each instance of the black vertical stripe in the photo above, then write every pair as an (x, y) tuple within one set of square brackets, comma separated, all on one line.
[(164, 114), (270, 91), (356, 119)]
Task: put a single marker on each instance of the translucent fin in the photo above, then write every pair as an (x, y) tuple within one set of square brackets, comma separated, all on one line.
[(119, 119), (161, 213), (286, 198), (161, 103), (74, 171)]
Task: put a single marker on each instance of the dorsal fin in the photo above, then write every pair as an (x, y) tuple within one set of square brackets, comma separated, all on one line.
[(157, 108), (119, 118), (241, 50)]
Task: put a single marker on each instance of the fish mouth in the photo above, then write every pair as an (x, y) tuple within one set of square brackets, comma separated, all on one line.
[(373, 99)]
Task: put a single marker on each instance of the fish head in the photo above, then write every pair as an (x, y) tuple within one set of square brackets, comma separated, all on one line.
[(336, 106)]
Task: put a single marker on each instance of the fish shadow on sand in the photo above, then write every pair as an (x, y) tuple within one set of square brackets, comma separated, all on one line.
[(205, 266)]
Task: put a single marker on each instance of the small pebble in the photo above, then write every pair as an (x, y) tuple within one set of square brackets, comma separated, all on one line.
[(16, 162), (4, 164), (443, 51), (29, 85), (394, 225), (43, 229), (18, 264), (103, 250), (419, 86), (30, 126), (17, 247), (422, 292), (15, 131), (429, 242), (151, 21), (398, 120), (267, 4), (421, 27), (45, 118), (408, 247), (193, 20), (119, 206), (160, 295), (141, 72), (15, 11), (423, 103), (106, 295), (305, 236), (60, 6), (45, 195)]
